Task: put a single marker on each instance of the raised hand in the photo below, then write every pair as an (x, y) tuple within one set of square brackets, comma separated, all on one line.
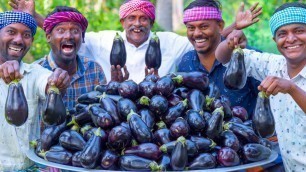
[(248, 17), (59, 78), (9, 71), (27, 6), (274, 85)]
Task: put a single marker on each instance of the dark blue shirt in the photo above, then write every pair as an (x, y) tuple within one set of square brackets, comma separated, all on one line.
[(246, 97)]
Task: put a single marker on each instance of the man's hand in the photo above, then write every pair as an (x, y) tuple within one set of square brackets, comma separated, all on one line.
[(151, 71), (9, 71), (59, 78), (248, 17), (117, 74), (274, 85), (236, 38), (27, 6)]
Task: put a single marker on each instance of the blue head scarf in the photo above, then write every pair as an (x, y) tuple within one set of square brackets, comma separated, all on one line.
[(10, 17)]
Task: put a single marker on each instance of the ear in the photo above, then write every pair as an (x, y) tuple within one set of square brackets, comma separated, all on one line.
[(48, 37), (122, 22), (221, 25)]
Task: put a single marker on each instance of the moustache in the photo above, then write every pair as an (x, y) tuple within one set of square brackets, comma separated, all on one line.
[(142, 29)]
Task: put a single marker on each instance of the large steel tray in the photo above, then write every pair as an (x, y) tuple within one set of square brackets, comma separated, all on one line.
[(32, 156)]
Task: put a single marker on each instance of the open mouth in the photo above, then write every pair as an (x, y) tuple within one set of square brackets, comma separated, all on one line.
[(293, 47), (68, 48), (200, 40), (16, 49)]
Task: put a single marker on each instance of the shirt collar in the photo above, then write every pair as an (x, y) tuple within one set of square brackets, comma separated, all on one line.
[(285, 75), (142, 45), (201, 67)]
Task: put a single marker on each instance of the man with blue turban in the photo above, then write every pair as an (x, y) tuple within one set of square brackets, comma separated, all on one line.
[(283, 78), (17, 30)]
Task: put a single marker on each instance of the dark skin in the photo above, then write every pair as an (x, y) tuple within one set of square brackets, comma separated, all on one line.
[(15, 41)]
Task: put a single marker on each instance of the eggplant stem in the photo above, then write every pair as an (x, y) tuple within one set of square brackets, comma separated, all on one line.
[(163, 148), (178, 79), (33, 143), (98, 132), (161, 124), (182, 140), (54, 89), (263, 95), (154, 166), (144, 100), (130, 115)]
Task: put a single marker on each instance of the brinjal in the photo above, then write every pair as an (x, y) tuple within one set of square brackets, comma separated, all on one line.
[(229, 139), (84, 130), (92, 151), (265, 142), (158, 105), (162, 135), (203, 161), (179, 155), (174, 112), (140, 131), (203, 144), (90, 97), (164, 86), (263, 121), (192, 148), (173, 99), (16, 105), (109, 159), (75, 160), (72, 140), (164, 163), (119, 137), (151, 77), (143, 102), (101, 88), (118, 52), (196, 100), (79, 107), (153, 57), (256, 152), (148, 117), (181, 91), (195, 120), (235, 120), (147, 88), (214, 127), (248, 123), (124, 107), (213, 90), (136, 163), (228, 157), (54, 111), (195, 80), (128, 89), (145, 150), (81, 117), (240, 112), (101, 118), (235, 74), (244, 133), (179, 128), (61, 157), (50, 135), (109, 105)]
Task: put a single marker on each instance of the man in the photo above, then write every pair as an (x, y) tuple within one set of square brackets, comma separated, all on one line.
[(16, 36), (204, 23), (283, 77), (65, 30), (137, 18)]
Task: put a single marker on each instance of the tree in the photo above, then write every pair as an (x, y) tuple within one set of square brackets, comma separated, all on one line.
[(164, 14)]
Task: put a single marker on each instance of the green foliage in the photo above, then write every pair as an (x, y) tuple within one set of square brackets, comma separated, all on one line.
[(103, 15)]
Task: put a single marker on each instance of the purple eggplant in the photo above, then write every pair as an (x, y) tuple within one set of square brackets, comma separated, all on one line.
[(265, 142), (173, 99), (206, 116), (203, 144), (136, 163), (110, 88), (248, 123), (16, 105), (90, 97), (148, 117), (87, 131), (179, 128), (240, 112), (124, 107), (203, 161), (118, 52), (109, 159), (165, 162), (235, 75), (164, 86), (179, 155), (213, 91), (192, 149), (58, 156), (256, 152), (50, 135), (101, 88), (227, 157), (145, 150), (263, 120), (72, 140), (153, 56), (76, 159), (151, 77), (214, 127), (196, 100), (79, 107), (174, 112), (195, 121), (82, 117), (110, 106), (101, 118), (195, 80), (140, 131), (92, 151), (181, 91), (143, 102), (235, 120), (146, 88), (244, 133), (158, 105), (119, 137), (162, 135), (229, 139), (54, 110), (128, 89)]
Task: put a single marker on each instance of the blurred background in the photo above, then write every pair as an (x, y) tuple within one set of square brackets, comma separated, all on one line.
[(103, 15)]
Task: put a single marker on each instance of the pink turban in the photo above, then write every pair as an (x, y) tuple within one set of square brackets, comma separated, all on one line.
[(145, 6), (202, 13)]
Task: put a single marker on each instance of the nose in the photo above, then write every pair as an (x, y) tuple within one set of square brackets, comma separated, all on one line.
[(197, 32), (137, 22), (67, 34), (18, 39), (291, 37)]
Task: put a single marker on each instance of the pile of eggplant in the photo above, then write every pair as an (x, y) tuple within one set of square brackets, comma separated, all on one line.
[(176, 122)]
